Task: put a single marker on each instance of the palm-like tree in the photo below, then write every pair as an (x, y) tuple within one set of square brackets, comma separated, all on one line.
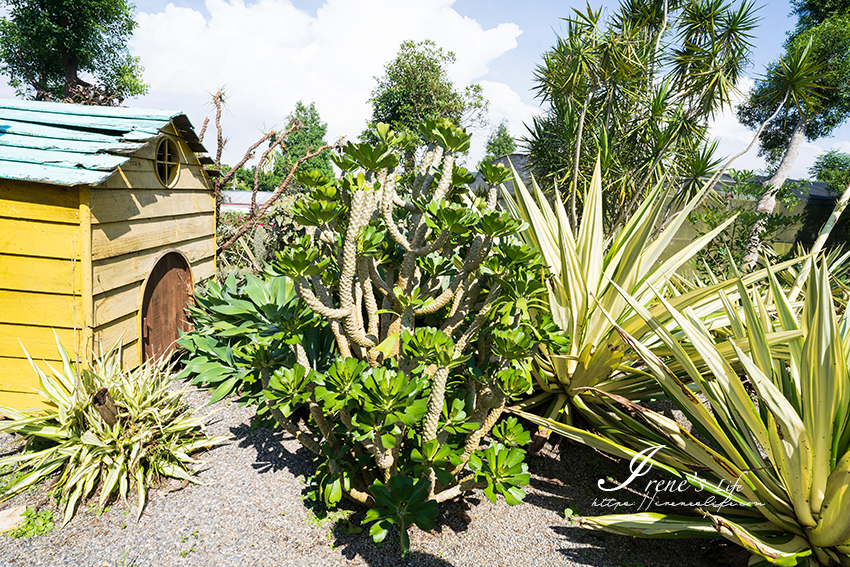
[(638, 90)]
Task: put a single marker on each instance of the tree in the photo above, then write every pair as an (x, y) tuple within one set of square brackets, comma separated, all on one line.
[(302, 141), (500, 143), (416, 88), (816, 96), (638, 90), (309, 136), (45, 45), (832, 168)]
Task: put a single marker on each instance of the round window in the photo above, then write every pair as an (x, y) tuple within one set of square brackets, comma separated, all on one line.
[(166, 162)]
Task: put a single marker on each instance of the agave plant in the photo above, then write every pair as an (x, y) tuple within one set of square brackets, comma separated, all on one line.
[(141, 433), (779, 434), (586, 272)]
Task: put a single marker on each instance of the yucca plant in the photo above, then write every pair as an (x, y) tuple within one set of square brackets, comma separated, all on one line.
[(779, 430), (107, 429)]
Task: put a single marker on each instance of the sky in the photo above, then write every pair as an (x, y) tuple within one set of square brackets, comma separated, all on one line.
[(269, 54)]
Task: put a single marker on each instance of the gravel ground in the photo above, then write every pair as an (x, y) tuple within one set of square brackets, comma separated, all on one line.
[(251, 512)]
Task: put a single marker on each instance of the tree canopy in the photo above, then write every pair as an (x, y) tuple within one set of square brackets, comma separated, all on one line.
[(415, 88), (637, 88), (832, 168), (297, 144), (500, 142), (46, 45)]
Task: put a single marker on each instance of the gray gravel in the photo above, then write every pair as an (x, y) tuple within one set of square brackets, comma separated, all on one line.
[(251, 512)]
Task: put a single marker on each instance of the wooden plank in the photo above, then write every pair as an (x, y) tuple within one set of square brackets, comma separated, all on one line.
[(39, 239), (115, 112), (50, 174), (116, 239), (37, 201), (139, 174), (18, 383), (77, 146), (114, 205), (42, 309), (47, 275), (39, 342), (126, 328), (55, 158), (22, 401), (113, 273), (203, 270), (89, 120), (117, 303)]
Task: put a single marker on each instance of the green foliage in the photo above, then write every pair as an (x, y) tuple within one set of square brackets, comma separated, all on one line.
[(500, 143), (46, 44), (274, 232), (814, 72), (832, 168), (416, 88), (311, 137), (153, 436), (431, 300), (738, 199), (36, 524), (788, 480), (636, 87), (241, 327)]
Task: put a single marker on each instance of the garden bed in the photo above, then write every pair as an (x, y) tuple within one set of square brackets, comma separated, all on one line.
[(252, 511)]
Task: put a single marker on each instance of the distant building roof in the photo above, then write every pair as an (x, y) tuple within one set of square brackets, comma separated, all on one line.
[(70, 144), (236, 200)]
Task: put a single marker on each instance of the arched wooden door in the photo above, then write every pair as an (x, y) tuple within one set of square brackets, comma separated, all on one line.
[(168, 290)]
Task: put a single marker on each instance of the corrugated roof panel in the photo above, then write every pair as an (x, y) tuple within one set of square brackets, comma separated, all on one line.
[(43, 131), (50, 174), (99, 162)]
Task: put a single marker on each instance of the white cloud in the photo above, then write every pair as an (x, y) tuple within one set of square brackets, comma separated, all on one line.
[(269, 54)]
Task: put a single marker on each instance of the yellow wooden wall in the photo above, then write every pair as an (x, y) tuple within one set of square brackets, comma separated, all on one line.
[(41, 272), (74, 260), (134, 222)]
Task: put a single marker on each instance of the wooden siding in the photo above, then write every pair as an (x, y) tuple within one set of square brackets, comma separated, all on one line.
[(41, 275), (135, 221), (77, 258)]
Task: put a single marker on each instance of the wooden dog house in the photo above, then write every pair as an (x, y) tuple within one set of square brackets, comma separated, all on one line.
[(107, 219)]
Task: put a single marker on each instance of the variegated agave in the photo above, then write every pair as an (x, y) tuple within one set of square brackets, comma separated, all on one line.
[(780, 427)]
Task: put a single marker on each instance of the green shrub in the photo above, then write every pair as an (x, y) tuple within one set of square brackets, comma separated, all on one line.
[(243, 325), (430, 302), (106, 429)]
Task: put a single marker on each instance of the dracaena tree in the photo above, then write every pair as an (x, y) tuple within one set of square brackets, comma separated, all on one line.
[(637, 88), (429, 300)]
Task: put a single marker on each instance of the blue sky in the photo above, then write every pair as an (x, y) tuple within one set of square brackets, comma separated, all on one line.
[(271, 53)]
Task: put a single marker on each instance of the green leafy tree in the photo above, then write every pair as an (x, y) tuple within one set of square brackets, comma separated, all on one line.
[(812, 83), (500, 143), (45, 45), (415, 88), (637, 88), (301, 141), (295, 145), (832, 168)]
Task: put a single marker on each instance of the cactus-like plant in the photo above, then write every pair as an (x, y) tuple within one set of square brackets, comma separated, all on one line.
[(429, 301)]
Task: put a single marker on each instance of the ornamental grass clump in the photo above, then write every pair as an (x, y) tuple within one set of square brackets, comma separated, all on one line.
[(106, 431), (429, 299)]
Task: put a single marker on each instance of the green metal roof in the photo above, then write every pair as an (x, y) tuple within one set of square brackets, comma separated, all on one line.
[(70, 144)]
